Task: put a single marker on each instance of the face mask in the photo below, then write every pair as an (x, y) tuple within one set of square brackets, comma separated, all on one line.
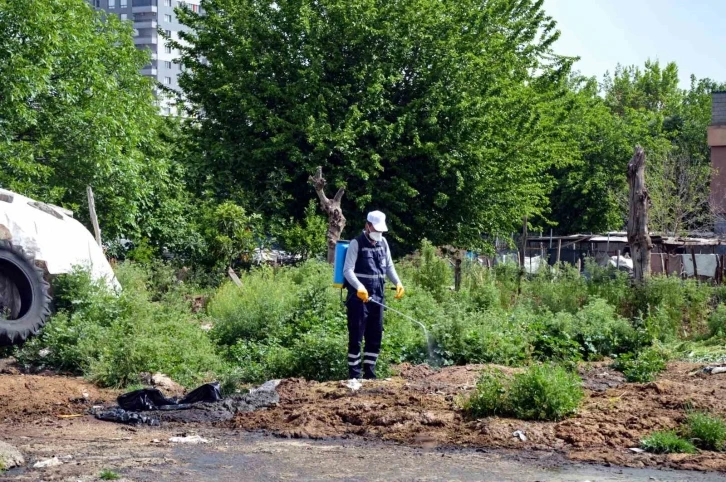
[(376, 236)]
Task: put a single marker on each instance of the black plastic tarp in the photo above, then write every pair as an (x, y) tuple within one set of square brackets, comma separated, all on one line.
[(152, 398)]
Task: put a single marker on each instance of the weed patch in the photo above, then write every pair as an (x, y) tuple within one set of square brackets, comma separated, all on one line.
[(706, 431), (667, 442), (541, 392), (643, 367)]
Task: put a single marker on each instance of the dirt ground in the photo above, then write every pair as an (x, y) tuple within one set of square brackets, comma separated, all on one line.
[(420, 408), (45, 414)]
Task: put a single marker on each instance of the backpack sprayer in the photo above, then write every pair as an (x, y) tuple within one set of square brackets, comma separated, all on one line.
[(341, 248)]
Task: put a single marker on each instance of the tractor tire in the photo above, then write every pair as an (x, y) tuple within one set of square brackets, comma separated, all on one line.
[(24, 298)]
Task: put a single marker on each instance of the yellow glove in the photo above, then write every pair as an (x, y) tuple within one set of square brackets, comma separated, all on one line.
[(363, 294), (399, 291)]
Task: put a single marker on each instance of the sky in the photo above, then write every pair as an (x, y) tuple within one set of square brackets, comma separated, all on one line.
[(603, 33)]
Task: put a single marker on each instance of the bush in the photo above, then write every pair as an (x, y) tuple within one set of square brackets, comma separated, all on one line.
[(545, 392), (667, 442), (560, 289), (482, 337), (259, 309), (110, 339), (717, 322), (644, 367), (433, 274), (706, 431), (490, 396), (257, 362), (541, 392)]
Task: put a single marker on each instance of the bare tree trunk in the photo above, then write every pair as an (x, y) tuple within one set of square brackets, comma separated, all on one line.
[(336, 220), (638, 237)]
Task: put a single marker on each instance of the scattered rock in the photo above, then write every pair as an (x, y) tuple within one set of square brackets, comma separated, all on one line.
[(162, 382), (520, 435), (636, 450), (189, 439), (44, 352), (10, 457), (52, 462), (268, 386)]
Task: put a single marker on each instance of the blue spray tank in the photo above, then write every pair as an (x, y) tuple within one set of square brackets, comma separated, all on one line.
[(341, 248)]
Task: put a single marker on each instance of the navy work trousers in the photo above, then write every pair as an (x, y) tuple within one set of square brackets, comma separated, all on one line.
[(365, 320)]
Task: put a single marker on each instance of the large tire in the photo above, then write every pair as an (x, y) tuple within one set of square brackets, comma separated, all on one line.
[(24, 298)]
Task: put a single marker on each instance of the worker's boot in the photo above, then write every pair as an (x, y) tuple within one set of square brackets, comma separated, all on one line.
[(369, 371), (353, 366)]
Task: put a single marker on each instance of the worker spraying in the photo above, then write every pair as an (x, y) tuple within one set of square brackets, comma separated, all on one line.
[(367, 264)]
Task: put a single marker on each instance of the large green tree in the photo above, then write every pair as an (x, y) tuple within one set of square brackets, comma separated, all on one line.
[(645, 106), (445, 114), (75, 111)]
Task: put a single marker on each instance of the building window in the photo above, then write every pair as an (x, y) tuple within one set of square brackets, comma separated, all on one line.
[(167, 64), (124, 16), (166, 110), (167, 18), (168, 33), (195, 8), (111, 3), (167, 80), (167, 3), (123, 3), (167, 49)]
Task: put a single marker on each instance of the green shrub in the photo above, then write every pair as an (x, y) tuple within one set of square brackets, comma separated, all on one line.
[(667, 442), (643, 367), (108, 475), (717, 322), (554, 338), (608, 283), (491, 395), (541, 392), (110, 339), (560, 289), (681, 307), (545, 392), (706, 431), (259, 309), (322, 355), (482, 288), (433, 274), (482, 337), (259, 361), (600, 331)]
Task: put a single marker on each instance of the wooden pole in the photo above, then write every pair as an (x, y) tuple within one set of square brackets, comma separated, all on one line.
[(693, 259), (92, 212), (662, 263), (524, 241), (234, 277), (617, 264), (550, 238), (457, 274), (559, 248), (607, 245)]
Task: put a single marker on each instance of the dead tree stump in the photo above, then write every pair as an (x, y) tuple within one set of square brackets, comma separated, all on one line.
[(638, 236), (336, 220)]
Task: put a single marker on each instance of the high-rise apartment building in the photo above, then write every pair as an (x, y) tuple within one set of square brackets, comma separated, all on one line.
[(148, 16)]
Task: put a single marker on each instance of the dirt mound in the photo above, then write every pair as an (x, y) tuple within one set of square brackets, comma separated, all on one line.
[(421, 408), (30, 397)]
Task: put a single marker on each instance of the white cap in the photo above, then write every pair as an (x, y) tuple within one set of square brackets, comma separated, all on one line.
[(378, 220)]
